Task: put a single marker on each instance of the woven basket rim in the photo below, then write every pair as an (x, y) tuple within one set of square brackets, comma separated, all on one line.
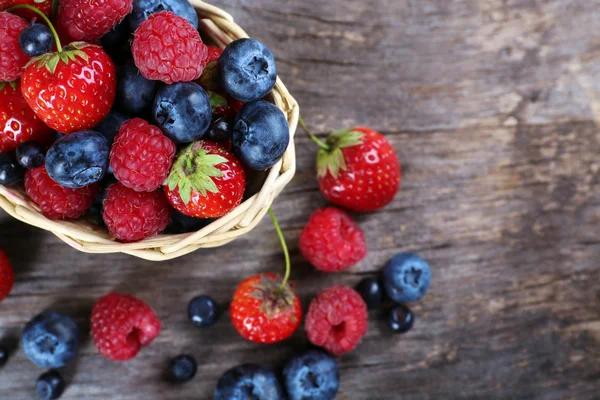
[(219, 27)]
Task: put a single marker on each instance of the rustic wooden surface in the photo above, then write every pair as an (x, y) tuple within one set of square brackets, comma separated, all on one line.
[(493, 107)]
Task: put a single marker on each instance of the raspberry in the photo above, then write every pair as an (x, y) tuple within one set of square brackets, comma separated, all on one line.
[(331, 241), (122, 325), (7, 276), (55, 201), (88, 20), (141, 156), (166, 47), (337, 320), (12, 58), (132, 216)]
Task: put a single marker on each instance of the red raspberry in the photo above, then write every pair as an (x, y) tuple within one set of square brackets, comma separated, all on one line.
[(55, 201), (166, 47), (141, 156), (7, 276), (132, 216), (12, 58), (337, 320), (331, 241), (122, 325), (88, 20)]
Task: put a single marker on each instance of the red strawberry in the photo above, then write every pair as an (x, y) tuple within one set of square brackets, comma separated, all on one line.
[(18, 123), (89, 20), (7, 276), (12, 58), (72, 89), (263, 311), (358, 169), (44, 6), (206, 180), (122, 325)]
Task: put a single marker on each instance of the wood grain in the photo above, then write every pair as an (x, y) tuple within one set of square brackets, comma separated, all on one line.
[(493, 107)]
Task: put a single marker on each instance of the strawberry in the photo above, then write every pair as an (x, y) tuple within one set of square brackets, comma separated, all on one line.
[(72, 89), (206, 180), (264, 310), (44, 6), (358, 169), (18, 123), (7, 276)]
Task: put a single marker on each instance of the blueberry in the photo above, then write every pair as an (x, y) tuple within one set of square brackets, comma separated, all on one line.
[(181, 223), (36, 40), (78, 159), (203, 311), (50, 340), (248, 381), (116, 42), (135, 93), (50, 385), (247, 70), (182, 111), (371, 291), (31, 155), (97, 207), (312, 375), (182, 368), (11, 172), (220, 130), (110, 125), (3, 356), (260, 135), (400, 319), (142, 9), (406, 277)]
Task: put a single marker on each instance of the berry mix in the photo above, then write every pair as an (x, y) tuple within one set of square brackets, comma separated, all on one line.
[(141, 126)]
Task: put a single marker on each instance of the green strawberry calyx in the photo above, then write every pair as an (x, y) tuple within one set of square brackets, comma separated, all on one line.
[(194, 169), (70, 53), (275, 296), (331, 159), (12, 84)]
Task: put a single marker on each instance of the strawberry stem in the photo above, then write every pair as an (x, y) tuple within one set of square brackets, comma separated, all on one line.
[(286, 253), (312, 136), (46, 20)]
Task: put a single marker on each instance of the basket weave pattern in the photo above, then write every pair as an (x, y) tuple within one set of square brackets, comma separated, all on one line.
[(219, 27)]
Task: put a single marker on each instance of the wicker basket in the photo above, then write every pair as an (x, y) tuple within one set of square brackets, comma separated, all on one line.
[(219, 27)]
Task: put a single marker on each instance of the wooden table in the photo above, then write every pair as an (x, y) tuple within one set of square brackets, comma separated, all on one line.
[(492, 106)]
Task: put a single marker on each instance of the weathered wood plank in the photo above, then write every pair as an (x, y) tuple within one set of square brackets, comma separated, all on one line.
[(493, 108)]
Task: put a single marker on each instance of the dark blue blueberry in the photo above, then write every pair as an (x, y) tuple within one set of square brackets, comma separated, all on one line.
[(135, 93), (311, 375), (406, 277), (3, 356), (220, 130), (36, 40), (260, 135), (400, 319), (142, 9), (371, 290), (50, 340), (49, 385), (182, 111), (110, 125), (117, 42), (203, 311), (183, 368), (249, 381), (11, 172), (181, 223), (31, 155), (247, 70), (78, 159)]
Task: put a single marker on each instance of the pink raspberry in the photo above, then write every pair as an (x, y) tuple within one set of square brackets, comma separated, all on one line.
[(12, 58), (131, 216), (331, 241), (168, 48), (141, 156), (337, 320), (89, 20)]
